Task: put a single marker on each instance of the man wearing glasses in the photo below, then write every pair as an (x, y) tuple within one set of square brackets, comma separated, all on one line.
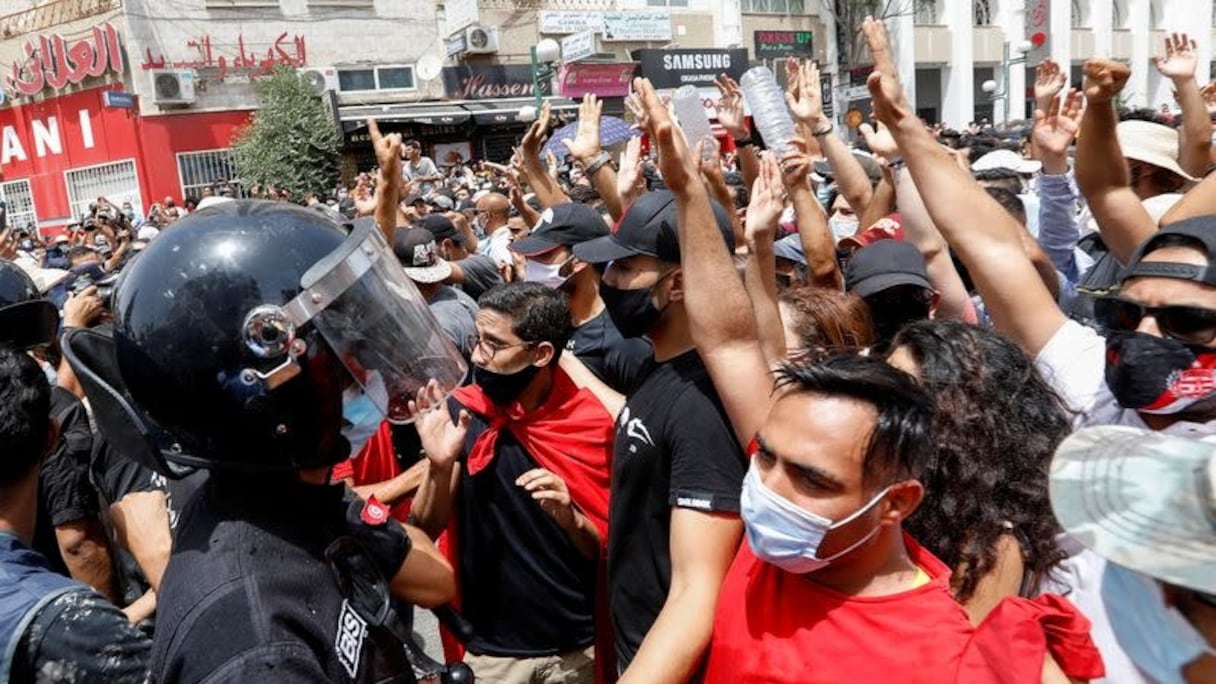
[(518, 478)]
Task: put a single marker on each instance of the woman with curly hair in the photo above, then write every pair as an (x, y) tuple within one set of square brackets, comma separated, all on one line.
[(986, 512)]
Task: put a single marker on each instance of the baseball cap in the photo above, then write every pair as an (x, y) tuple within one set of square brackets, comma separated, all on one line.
[(1151, 143), (62, 239), (1199, 230), (442, 202), (1006, 159), (564, 225), (1144, 500), (415, 249), (790, 247), (822, 171), (889, 227), (439, 225), (648, 227), (885, 264), (414, 199)]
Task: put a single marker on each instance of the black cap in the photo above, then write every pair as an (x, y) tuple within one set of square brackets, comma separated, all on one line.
[(415, 249), (1199, 231), (439, 225), (885, 264), (564, 225), (649, 228)]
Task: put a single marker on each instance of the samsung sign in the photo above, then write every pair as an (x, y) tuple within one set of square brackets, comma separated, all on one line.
[(675, 68)]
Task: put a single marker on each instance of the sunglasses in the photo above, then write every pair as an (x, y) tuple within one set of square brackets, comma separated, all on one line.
[(1191, 324)]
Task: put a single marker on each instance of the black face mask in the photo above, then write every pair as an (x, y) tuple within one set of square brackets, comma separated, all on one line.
[(1158, 374), (631, 311), (504, 388)]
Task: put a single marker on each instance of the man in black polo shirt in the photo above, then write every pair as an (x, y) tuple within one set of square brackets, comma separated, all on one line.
[(520, 481), (619, 361), (677, 469)]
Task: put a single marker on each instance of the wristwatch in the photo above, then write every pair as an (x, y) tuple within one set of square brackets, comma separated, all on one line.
[(597, 163), (744, 142), (824, 131)]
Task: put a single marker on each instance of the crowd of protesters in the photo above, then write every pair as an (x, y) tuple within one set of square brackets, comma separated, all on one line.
[(927, 406)]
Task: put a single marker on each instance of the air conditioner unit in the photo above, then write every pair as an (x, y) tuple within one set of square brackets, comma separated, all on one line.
[(321, 79), (480, 40), (172, 87)]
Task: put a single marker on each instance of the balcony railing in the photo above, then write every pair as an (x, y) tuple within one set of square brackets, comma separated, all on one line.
[(53, 14), (559, 5)]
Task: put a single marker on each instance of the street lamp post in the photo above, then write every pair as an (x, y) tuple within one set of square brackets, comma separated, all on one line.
[(544, 54), (1001, 93)]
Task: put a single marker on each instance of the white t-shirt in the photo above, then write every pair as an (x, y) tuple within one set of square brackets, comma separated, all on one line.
[(1074, 363)]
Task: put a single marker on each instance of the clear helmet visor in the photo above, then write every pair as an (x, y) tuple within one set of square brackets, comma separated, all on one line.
[(377, 323)]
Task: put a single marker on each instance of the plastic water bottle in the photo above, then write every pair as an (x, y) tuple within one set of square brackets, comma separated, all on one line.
[(767, 102), (691, 113)]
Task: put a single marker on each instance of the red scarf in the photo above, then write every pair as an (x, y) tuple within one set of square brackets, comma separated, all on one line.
[(569, 435)]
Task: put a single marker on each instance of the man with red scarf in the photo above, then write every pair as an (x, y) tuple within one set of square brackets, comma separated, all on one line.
[(518, 481)]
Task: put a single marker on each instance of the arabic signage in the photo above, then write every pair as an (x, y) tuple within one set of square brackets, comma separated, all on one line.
[(637, 25), (601, 80), (560, 23), (491, 82), (54, 63), (780, 44), (675, 68), (578, 46), (233, 59)]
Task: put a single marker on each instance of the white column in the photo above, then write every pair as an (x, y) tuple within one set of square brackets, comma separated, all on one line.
[(901, 29), (1140, 23), (1013, 27), (730, 22), (1061, 34), (958, 98), (1101, 14), (831, 65)]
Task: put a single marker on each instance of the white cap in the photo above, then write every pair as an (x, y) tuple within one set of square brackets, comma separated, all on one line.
[(1006, 159)]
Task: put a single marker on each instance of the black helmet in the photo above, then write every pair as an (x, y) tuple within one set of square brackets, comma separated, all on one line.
[(26, 319), (243, 330)]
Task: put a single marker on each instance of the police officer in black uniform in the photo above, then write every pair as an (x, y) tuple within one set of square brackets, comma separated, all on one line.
[(265, 344)]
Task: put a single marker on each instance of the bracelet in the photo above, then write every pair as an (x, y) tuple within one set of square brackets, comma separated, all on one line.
[(819, 134), (744, 142), (596, 164), (897, 165)]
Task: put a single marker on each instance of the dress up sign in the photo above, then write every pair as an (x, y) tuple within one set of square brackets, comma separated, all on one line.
[(491, 82), (779, 44), (54, 63), (243, 61)]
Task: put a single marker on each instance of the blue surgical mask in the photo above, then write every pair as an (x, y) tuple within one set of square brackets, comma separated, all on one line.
[(785, 535), (360, 418)]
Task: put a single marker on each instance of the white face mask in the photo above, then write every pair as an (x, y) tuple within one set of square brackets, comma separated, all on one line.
[(548, 275), (842, 227), (783, 534)]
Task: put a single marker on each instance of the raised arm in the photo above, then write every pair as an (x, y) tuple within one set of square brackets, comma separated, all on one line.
[(1195, 135), (763, 213), (983, 234), (388, 187), (590, 156), (719, 313), (547, 191), (1055, 128), (715, 181), (732, 117), (1101, 171), (1198, 201), (806, 104)]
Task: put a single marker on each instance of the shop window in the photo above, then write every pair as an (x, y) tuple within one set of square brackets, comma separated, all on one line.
[(376, 78), (774, 6), (198, 171), (19, 201), (117, 182), (926, 12), (981, 13)]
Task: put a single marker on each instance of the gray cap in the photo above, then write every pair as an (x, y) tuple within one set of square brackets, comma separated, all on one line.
[(1142, 499)]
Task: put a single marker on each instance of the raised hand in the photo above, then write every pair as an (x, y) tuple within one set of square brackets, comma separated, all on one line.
[(1048, 80), (802, 93), (441, 437), (680, 169), (537, 133), (641, 119), (795, 165), (387, 148), (767, 201), (889, 100), (1181, 58), (880, 142), (629, 179), (730, 107), (1104, 79), (1055, 128), (586, 144)]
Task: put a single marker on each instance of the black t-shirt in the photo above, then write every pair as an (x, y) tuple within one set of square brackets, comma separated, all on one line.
[(480, 274), (524, 587), (622, 363), (248, 594), (64, 492), (674, 448)]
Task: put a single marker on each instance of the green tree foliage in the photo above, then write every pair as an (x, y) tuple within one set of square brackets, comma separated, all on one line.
[(291, 142)]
